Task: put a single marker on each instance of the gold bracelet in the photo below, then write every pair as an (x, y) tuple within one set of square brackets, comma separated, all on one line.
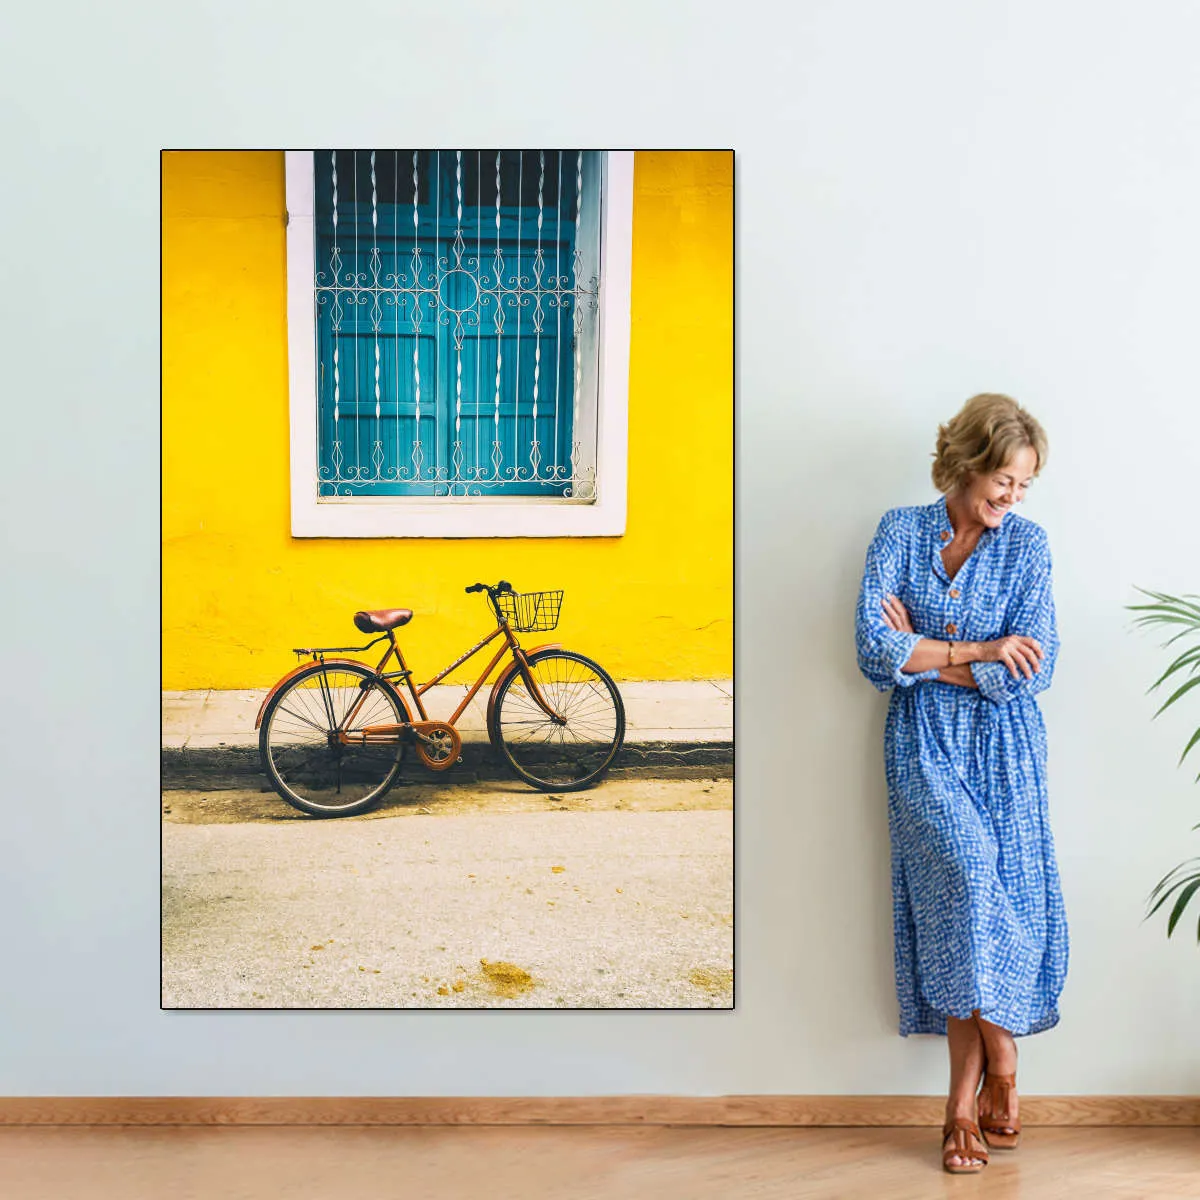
[(950, 653)]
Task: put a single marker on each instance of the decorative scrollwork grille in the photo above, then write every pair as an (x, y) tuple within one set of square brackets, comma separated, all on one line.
[(457, 305)]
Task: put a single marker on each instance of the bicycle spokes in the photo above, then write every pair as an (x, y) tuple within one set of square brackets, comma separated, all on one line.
[(313, 744), (561, 723)]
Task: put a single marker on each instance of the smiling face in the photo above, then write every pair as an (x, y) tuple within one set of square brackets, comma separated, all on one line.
[(988, 498)]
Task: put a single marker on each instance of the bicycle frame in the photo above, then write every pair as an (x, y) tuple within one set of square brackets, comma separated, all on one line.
[(386, 733), (510, 645)]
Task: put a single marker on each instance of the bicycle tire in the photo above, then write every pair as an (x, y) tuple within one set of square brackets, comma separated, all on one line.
[(555, 758), (302, 760)]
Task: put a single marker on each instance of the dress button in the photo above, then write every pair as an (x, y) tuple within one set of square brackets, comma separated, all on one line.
[(954, 593), (952, 628), (944, 536)]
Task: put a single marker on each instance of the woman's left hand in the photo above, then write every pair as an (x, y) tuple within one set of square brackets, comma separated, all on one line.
[(896, 615)]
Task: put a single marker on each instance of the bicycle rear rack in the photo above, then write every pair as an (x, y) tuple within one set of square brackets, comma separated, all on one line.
[(316, 651)]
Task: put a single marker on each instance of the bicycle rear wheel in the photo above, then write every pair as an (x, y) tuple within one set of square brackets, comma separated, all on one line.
[(566, 755), (302, 755)]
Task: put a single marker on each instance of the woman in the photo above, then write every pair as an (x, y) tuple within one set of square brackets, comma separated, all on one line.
[(956, 616)]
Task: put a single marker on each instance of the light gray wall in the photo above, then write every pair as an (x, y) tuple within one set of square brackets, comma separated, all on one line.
[(933, 199)]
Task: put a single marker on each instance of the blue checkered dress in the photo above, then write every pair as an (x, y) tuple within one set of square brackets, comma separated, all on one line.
[(977, 905)]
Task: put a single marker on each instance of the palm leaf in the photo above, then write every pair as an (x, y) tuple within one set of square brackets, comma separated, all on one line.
[(1187, 687), (1183, 601), (1149, 613), (1181, 616), (1188, 747), (1189, 658), (1173, 879), (1182, 903), (1155, 613)]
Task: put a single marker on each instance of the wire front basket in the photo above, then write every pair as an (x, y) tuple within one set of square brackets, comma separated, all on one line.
[(530, 612)]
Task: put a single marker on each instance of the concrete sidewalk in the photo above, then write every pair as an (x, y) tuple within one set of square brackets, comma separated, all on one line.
[(209, 739)]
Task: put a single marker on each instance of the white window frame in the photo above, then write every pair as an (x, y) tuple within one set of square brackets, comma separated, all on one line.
[(453, 516)]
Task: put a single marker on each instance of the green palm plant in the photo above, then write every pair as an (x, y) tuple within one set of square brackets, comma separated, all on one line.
[(1181, 614)]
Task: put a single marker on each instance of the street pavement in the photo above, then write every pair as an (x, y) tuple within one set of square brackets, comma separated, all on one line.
[(453, 896)]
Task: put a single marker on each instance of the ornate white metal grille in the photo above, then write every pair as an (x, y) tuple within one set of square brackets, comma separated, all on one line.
[(456, 301)]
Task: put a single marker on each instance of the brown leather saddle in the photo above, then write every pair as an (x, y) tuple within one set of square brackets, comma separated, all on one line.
[(379, 620)]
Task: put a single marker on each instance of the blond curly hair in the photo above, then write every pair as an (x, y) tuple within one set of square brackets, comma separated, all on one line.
[(984, 435)]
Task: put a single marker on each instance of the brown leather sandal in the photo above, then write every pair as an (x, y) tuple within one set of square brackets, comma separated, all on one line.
[(1002, 1131), (961, 1131)]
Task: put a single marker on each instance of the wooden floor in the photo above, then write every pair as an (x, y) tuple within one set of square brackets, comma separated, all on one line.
[(584, 1163)]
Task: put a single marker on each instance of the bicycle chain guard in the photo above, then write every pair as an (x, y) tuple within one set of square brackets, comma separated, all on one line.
[(438, 744)]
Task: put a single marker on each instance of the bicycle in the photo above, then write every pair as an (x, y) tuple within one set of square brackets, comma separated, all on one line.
[(333, 731)]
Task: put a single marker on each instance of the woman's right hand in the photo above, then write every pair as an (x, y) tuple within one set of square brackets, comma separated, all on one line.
[(1021, 655)]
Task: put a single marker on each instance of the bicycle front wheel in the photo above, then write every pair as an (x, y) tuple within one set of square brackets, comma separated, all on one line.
[(570, 753), (307, 762)]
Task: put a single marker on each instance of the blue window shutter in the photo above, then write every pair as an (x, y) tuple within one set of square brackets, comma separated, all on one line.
[(396, 278)]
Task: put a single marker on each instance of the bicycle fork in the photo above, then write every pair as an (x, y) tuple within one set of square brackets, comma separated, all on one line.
[(534, 690)]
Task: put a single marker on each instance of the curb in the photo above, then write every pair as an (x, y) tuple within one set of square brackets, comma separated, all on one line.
[(237, 767)]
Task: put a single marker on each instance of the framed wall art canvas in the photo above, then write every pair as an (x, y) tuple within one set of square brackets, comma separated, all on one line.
[(447, 608)]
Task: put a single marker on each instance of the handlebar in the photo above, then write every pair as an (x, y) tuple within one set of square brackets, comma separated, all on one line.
[(500, 588)]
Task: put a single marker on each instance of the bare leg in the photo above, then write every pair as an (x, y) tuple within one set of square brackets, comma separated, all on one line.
[(966, 1069), (1001, 1049)]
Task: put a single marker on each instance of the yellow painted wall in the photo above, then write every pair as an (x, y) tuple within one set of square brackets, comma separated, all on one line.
[(239, 590)]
